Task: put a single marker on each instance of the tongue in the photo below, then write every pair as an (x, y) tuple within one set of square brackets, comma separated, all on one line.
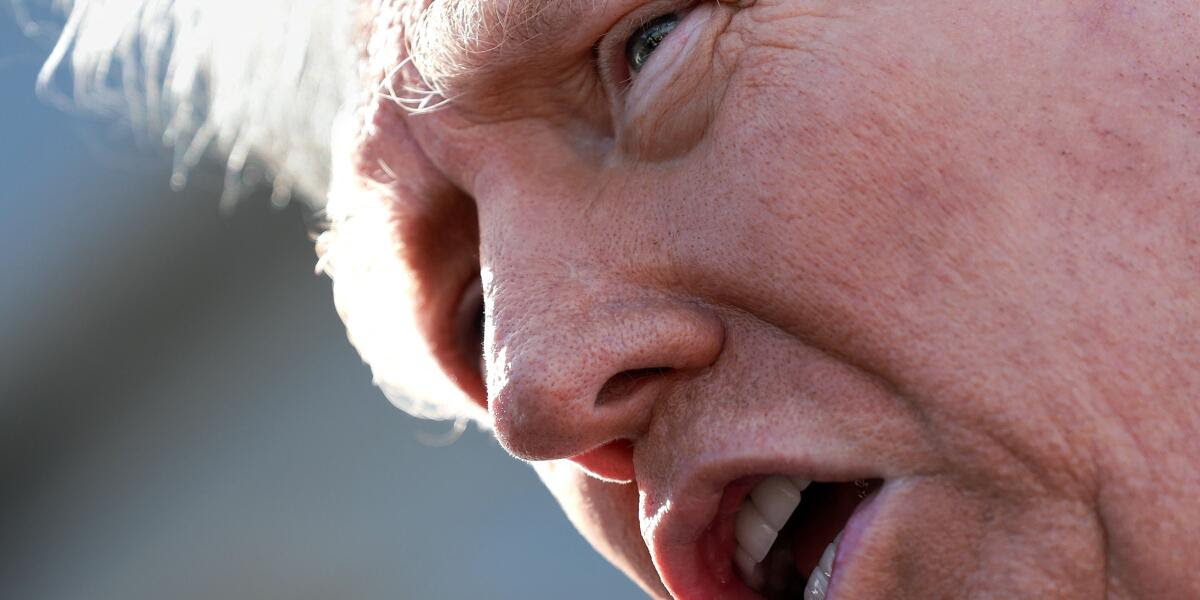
[(823, 513)]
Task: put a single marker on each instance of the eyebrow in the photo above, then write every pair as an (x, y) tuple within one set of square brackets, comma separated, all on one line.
[(454, 39)]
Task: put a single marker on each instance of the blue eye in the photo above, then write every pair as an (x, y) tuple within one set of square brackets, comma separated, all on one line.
[(646, 39)]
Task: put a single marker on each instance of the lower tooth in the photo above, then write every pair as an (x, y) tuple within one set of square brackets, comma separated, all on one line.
[(826, 564), (818, 586), (818, 582)]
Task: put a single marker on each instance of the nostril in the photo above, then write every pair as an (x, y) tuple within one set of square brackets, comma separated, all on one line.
[(626, 383)]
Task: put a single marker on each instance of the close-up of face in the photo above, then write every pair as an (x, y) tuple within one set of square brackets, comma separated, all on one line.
[(779, 298), (790, 297)]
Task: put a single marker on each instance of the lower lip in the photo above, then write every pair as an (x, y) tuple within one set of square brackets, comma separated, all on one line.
[(852, 535)]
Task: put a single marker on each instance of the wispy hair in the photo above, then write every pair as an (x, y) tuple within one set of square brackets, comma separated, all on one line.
[(454, 38), (263, 80), (251, 80)]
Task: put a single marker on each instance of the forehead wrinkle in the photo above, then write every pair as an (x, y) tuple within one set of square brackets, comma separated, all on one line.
[(454, 39)]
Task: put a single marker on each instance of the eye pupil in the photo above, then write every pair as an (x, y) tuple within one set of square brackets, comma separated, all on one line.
[(646, 39)]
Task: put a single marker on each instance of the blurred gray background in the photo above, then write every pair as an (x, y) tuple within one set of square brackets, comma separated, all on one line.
[(182, 417)]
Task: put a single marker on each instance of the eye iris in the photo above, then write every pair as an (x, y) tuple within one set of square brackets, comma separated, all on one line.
[(644, 41)]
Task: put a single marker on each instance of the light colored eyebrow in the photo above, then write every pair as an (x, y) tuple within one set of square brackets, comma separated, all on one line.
[(454, 40)]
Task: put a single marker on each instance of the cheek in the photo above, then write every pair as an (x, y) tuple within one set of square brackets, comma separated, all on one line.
[(852, 173), (846, 176), (863, 207)]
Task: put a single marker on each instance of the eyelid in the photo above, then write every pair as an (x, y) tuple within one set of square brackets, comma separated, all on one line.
[(610, 51)]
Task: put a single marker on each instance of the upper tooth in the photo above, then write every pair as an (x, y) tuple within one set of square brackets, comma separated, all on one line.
[(754, 534), (751, 570), (800, 483), (776, 497)]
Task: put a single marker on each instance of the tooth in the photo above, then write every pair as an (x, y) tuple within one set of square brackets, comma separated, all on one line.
[(800, 483), (751, 571), (753, 532), (818, 586), (775, 497), (826, 563)]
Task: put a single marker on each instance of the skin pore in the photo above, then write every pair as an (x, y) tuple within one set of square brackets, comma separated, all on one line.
[(951, 246)]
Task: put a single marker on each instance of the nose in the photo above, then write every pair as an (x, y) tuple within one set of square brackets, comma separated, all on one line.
[(580, 379)]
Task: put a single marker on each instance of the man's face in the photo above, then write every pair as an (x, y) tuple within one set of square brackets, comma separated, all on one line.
[(832, 241)]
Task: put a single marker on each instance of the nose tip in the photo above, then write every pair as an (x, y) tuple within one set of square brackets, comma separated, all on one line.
[(583, 386)]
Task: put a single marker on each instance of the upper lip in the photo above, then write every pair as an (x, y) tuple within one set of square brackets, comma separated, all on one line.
[(673, 522)]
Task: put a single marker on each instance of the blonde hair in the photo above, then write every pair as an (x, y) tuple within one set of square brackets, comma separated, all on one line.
[(258, 80)]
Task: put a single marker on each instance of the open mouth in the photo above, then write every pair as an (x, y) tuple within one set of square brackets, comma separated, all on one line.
[(782, 532)]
